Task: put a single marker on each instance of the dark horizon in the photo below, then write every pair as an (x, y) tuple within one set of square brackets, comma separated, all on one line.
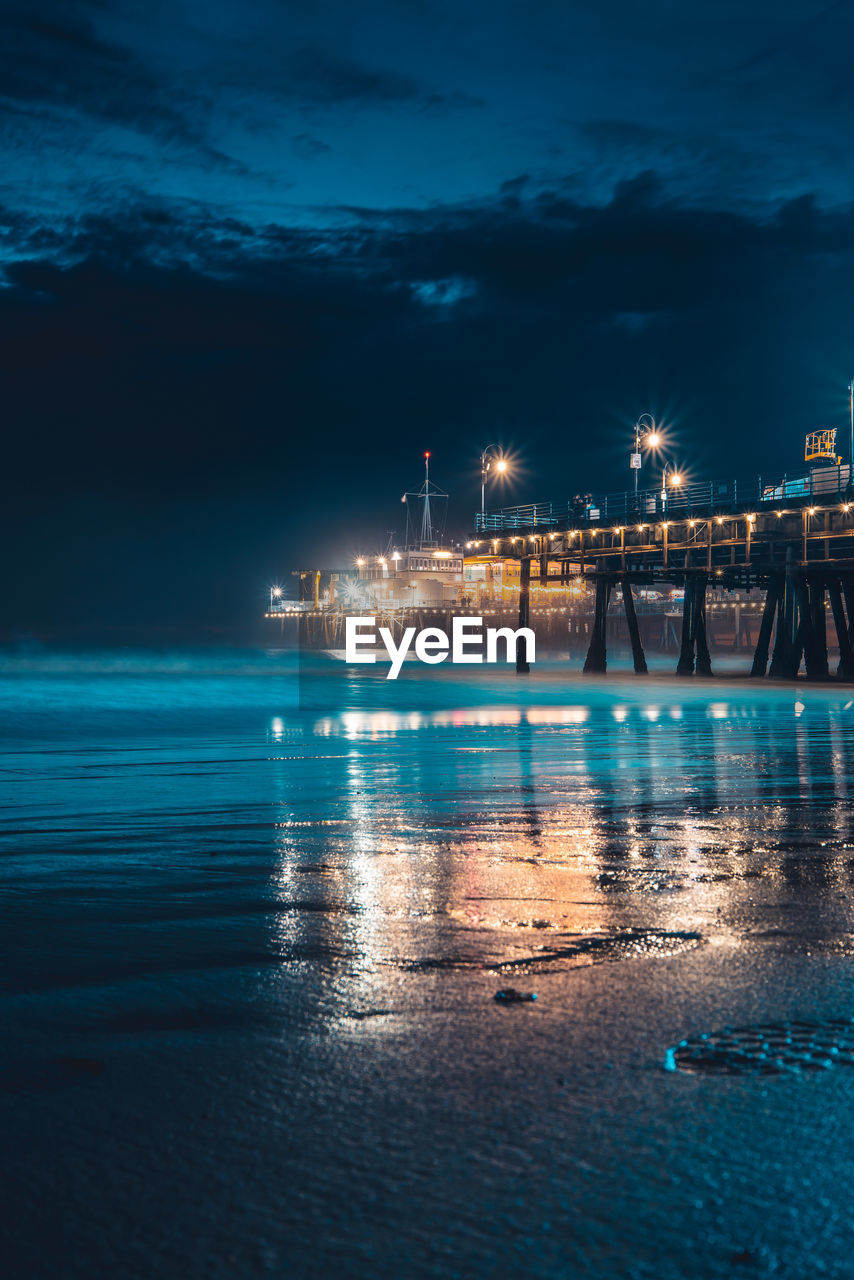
[(261, 265)]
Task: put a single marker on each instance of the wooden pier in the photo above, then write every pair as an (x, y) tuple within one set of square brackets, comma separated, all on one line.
[(801, 556)]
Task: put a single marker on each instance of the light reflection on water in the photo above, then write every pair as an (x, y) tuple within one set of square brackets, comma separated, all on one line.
[(479, 836), (313, 910)]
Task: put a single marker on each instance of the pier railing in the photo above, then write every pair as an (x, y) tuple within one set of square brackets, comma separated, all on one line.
[(701, 498)]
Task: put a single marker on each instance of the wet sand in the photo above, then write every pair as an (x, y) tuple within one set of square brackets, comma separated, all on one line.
[(251, 950)]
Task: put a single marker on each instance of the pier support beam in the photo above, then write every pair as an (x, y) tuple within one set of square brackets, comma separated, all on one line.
[(597, 654), (704, 660), (816, 655), (773, 596), (786, 659), (685, 665), (803, 629), (523, 667), (845, 670), (694, 637), (638, 656), (848, 591)]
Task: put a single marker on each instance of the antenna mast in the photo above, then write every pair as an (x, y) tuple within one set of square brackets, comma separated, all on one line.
[(426, 521), (424, 533)]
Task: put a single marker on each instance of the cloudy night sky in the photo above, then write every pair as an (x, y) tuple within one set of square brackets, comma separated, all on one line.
[(255, 258)]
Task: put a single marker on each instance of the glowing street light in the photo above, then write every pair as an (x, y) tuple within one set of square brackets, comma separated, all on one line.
[(646, 433), (675, 481), (275, 592), (490, 460)]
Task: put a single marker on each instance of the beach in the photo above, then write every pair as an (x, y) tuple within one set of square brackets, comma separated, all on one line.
[(255, 915)]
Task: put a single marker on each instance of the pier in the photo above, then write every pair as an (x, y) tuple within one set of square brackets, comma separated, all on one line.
[(791, 541)]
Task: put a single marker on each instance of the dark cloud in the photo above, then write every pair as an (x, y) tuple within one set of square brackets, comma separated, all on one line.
[(455, 100), (165, 356), (255, 259), (308, 147), (319, 77), (51, 55), (314, 75), (424, 103)]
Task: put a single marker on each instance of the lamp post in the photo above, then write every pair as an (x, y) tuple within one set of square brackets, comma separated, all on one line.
[(675, 480), (274, 591), (490, 458), (646, 432)]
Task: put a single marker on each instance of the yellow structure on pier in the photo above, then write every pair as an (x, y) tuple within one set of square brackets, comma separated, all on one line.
[(821, 444)]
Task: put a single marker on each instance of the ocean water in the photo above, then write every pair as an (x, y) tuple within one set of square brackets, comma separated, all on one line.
[(255, 917)]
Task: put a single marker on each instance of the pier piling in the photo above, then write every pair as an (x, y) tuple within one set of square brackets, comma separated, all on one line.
[(523, 667), (773, 596), (704, 660), (817, 666), (845, 671), (638, 656), (685, 665), (784, 662), (694, 642), (597, 654)]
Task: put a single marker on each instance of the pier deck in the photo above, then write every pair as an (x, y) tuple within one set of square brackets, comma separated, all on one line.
[(799, 551)]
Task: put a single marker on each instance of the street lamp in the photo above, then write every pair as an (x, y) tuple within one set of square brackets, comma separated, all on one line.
[(675, 481), (490, 460), (274, 591), (646, 433)]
